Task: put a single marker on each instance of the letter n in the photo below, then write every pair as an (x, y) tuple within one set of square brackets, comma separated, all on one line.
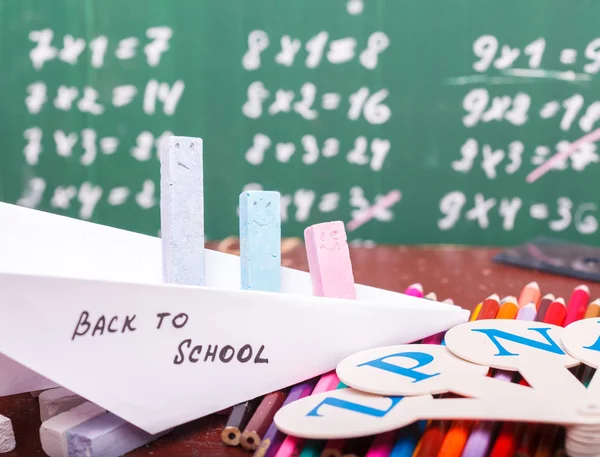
[(495, 335)]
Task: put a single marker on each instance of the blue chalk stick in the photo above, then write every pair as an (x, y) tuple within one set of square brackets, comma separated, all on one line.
[(106, 436), (260, 240), (182, 210)]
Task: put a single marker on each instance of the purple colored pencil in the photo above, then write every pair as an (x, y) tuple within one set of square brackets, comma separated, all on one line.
[(480, 438), (273, 437)]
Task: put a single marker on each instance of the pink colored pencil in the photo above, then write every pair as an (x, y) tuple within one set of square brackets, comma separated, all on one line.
[(383, 444), (416, 290), (292, 445)]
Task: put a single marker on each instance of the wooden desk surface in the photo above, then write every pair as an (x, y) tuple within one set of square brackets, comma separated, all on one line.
[(466, 275)]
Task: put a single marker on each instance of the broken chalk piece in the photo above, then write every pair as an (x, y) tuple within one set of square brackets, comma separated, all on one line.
[(182, 210), (7, 435), (56, 401), (106, 436), (53, 432)]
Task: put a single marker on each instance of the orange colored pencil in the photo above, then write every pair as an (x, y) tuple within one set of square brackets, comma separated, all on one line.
[(593, 309), (508, 308)]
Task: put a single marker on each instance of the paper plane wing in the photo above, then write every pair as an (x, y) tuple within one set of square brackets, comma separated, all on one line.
[(162, 355)]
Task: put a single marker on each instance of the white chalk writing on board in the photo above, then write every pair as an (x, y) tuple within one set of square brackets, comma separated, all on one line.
[(494, 102), (88, 146), (308, 102)]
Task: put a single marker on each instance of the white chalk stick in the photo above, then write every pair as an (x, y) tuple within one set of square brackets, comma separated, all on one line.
[(182, 210), (53, 432), (7, 435), (56, 401), (107, 436)]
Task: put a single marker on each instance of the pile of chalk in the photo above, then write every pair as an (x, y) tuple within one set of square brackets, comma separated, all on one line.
[(74, 427)]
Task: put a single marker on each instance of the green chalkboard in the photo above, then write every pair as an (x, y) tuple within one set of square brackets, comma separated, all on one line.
[(438, 111)]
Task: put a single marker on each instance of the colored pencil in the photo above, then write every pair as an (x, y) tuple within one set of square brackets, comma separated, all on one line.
[(489, 308), (273, 437), (406, 442), (530, 293), (456, 437), (431, 296), (480, 439), (382, 444), (577, 304), (475, 312), (544, 304), (416, 290), (508, 308), (433, 438), (239, 417), (314, 448), (336, 448), (291, 445), (528, 312), (556, 315), (357, 447), (261, 419), (593, 309)]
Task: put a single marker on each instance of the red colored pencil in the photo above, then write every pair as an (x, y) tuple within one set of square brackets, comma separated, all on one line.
[(489, 308)]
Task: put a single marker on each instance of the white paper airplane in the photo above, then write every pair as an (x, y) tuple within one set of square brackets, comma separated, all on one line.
[(40, 243), (161, 355)]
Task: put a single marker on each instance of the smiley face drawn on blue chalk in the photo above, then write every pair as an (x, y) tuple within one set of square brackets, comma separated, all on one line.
[(263, 215), (263, 208)]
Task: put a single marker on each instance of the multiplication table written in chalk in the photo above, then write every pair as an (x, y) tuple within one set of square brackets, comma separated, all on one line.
[(373, 113)]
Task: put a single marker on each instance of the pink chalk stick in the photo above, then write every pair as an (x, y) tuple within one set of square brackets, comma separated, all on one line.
[(329, 260)]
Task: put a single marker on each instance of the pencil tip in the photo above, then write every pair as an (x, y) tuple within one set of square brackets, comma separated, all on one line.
[(509, 299), (583, 287), (548, 297), (595, 302), (533, 285), (417, 286), (431, 296), (560, 300), (494, 297), (451, 302), (530, 305)]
